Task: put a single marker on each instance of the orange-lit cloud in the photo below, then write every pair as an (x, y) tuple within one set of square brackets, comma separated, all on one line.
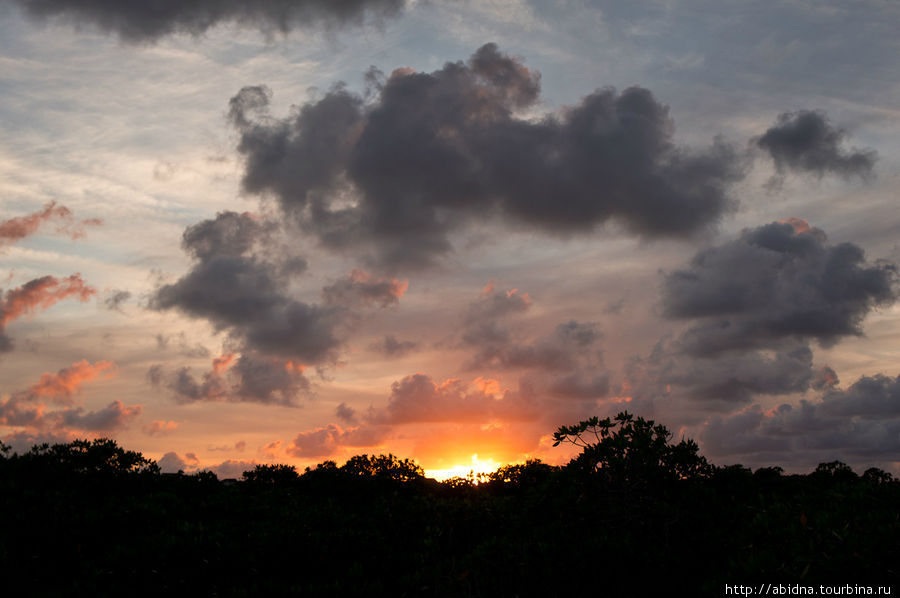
[(61, 386), (418, 398), (222, 363), (27, 409), (160, 427), (328, 440), (16, 229), (42, 293)]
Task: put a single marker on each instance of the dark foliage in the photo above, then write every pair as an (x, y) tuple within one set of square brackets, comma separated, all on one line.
[(632, 514)]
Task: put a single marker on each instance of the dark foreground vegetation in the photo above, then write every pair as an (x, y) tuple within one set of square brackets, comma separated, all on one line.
[(633, 513)]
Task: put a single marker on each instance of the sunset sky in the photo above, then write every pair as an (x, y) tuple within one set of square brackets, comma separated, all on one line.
[(285, 232)]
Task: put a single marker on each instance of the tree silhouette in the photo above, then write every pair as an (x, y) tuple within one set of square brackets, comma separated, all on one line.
[(383, 467), (98, 456), (632, 450), (274, 475)]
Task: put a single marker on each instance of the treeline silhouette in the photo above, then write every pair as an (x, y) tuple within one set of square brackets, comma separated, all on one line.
[(633, 513)]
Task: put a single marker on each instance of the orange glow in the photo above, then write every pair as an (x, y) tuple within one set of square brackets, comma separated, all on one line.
[(801, 225), (621, 400), (403, 71), (487, 385), (222, 363), (294, 366), (476, 467)]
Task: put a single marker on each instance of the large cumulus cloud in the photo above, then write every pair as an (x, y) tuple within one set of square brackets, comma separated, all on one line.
[(241, 283), (246, 294), (754, 307), (779, 281), (396, 175), (149, 21)]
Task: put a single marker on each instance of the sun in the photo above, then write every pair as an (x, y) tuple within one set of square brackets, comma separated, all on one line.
[(475, 467)]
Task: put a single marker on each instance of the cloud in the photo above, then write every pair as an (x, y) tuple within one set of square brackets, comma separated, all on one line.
[(345, 413), (395, 176), (389, 346), (160, 427), (16, 229), (875, 396), (185, 348), (329, 439), (566, 363), (417, 398), (779, 281), (806, 142), (361, 288), (172, 463), (238, 446), (27, 409), (238, 290), (61, 386), (146, 22), (40, 293), (754, 306), (113, 416), (859, 424), (115, 298), (232, 469), (247, 379)]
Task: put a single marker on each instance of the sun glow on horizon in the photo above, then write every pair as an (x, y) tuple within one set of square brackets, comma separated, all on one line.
[(477, 466)]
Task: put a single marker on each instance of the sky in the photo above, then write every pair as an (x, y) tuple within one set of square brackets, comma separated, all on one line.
[(242, 233)]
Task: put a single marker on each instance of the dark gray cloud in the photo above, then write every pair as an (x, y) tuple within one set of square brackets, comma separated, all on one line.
[(858, 425), (247, 294), (824, 378), (113, 416), (149, 21), (779, 281), (871, 396), (390, 346), (805, 141), (172, 463), (721, 381), (754, 306), (246, 379), (395, 176)]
